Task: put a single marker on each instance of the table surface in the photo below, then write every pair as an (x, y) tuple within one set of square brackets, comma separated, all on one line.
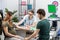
[(22, 32)]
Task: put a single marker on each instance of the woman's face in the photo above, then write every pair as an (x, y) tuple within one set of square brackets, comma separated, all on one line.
[(7, 16)]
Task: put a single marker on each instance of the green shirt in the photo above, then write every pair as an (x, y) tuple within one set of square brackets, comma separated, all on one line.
[(10, 29), (44, 27)]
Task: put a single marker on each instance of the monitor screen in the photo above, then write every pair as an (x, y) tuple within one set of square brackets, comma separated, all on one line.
[(52, 8)]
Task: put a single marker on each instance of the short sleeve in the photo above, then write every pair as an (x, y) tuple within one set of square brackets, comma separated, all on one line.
[(4, 24), (39, 25)]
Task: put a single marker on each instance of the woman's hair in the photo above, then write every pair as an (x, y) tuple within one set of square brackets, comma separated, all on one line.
[(9, 13), (41, 12)]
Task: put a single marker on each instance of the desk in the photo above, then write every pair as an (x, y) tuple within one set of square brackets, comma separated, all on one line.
[(21, 32)]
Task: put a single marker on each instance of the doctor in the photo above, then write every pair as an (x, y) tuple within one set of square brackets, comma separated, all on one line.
[(29, 20), (43, 27)]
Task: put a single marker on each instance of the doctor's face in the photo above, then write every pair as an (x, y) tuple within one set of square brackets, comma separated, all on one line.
[(30, 13), (39, 16)]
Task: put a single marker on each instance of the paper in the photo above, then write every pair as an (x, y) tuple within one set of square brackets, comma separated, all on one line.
[(33, 28)]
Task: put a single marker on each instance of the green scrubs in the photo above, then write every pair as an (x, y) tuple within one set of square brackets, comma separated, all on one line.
[(44, 27)]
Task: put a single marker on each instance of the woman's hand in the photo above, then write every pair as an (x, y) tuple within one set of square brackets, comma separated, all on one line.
[(27, 27), (17, 36), (26, 39)]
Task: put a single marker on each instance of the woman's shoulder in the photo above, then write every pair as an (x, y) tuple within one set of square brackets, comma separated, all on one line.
[(4, 22)]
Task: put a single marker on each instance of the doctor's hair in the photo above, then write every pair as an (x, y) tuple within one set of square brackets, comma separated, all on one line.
[(41, 12), (32, 11)]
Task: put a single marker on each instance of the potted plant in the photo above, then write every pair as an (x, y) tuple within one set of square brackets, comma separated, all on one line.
[(14, 19)]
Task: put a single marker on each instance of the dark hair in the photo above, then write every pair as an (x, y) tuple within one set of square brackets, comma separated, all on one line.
[(31, 11), (41, 12), (9, 13)]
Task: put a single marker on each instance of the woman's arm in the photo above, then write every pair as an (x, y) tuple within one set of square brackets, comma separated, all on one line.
[(7, 33), (21, 28)]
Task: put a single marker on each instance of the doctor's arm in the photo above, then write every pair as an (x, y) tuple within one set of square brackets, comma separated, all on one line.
[(20, 22), (33, 35)]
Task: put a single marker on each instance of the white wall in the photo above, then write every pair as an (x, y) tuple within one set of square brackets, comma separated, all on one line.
[(10, 4), (44, 5), (13, 5), (0, 4)]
